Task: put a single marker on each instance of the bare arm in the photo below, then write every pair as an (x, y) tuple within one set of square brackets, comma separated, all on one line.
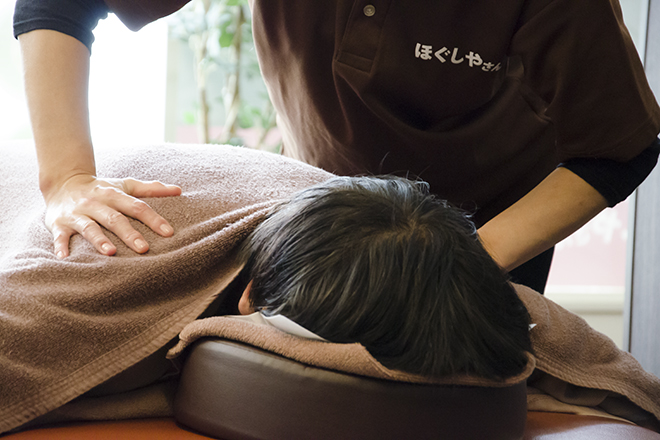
[(557, 207), (56, 76)]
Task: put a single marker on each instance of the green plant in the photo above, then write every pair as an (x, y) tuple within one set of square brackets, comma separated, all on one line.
[(219, 33)]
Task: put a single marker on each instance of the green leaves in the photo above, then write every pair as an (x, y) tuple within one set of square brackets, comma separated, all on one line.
[(219, 33)]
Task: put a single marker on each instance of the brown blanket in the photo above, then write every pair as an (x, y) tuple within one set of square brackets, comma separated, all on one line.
[(67, 326)]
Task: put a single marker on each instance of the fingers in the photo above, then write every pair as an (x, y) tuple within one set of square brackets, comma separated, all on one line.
[(107, 203), (136, 208), (117, 223), (154, 188), (88, 225), (91, 231), (61, 241), (111, 211)]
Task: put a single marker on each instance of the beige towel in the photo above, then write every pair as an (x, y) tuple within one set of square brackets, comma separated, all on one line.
[(348, 358), (69, 325), (578, 365)]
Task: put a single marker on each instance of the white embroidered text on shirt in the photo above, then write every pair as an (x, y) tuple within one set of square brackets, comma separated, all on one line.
[(425, 52)]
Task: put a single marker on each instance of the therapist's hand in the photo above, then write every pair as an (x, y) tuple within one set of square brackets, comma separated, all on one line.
[(85, 203), (56, 68)]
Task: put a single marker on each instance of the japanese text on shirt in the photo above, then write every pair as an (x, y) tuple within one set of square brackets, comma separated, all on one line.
[(425, 52)]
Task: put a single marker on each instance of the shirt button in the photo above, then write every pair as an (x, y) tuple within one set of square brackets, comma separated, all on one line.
[(369, 10)]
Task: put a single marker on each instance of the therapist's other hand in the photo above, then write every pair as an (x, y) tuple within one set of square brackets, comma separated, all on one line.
[(85, 203)]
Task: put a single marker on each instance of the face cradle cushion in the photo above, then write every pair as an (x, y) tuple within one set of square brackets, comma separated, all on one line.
[(231, 390)]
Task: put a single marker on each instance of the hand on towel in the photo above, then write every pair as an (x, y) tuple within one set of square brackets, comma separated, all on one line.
[(85, 203)]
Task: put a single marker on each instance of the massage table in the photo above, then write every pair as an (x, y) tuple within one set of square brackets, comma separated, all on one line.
[(234, 390), (200, 403), (540, 426)]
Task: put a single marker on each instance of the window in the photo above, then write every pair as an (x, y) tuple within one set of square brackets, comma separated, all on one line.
[(125, 65)]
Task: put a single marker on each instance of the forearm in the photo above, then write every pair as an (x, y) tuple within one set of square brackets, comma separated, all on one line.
[(557, 207), (77, 202), (56, 70)]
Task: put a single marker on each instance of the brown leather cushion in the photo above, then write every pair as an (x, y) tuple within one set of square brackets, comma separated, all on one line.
[(234, 391)]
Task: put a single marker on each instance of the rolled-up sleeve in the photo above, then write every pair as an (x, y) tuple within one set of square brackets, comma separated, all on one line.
[(616, 180), (76, 18)]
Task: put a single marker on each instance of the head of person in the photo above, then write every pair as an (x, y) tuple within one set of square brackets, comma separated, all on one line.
[(380, 261)]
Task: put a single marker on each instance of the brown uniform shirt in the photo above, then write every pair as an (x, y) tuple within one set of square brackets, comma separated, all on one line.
[(482, 99)]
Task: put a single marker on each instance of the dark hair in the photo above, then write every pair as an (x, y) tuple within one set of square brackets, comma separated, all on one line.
[(380, 261)]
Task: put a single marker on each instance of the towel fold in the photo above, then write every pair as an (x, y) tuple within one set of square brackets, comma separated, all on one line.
[(348, 358)]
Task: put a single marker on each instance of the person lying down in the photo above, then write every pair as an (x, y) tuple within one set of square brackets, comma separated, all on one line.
[(380, 261), (377, 261)]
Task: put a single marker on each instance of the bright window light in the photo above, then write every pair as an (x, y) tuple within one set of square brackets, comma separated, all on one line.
[(128, 83)]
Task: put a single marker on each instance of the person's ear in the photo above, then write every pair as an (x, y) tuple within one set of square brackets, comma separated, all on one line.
[(244, 306)]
